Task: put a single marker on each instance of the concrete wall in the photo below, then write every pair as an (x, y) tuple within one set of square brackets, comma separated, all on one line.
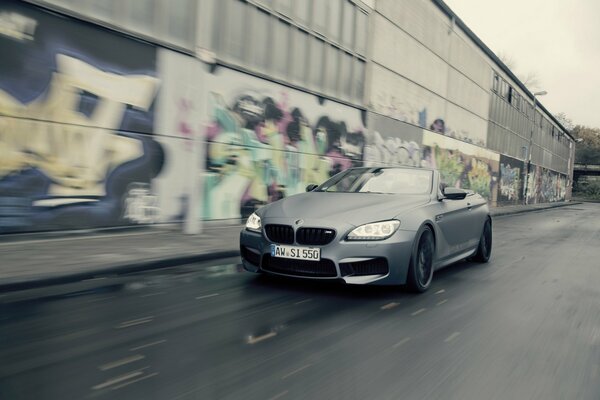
[(78, 146), (100, 130), (426, 74)]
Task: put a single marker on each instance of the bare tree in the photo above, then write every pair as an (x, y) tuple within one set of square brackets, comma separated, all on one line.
[(565, 121), (530, 79), (508, 60)]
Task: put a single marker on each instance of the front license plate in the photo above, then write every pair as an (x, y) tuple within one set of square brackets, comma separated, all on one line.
[(297, 253)]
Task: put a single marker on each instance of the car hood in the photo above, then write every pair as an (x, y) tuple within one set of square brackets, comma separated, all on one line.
[(348, 208)]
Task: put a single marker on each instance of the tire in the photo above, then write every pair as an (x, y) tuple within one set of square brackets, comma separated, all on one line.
[(420, 271), (484, 250)]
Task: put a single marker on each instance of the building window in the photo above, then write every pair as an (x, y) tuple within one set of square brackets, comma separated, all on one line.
[(267, 3), (315, 62), (302, 11), (496, 83), (359, 79), (281, 47), (283, 6), (299, 55), (234, 29), (505, 90), (320, 16), (260, 45), (182, 14), (348, 24), (335, 18), (333, 65), (103, 9), (346, 84), (362, 32), (141, 15)]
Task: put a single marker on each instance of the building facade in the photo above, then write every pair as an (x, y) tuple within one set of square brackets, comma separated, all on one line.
[(134, 112)]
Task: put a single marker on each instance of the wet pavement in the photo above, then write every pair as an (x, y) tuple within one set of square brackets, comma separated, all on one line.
[(524, 326), (41, 259)]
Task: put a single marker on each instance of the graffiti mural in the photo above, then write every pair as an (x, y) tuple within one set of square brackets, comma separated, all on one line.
[(420, 108), (76, 123), (462, 165), (510, 188), (391, 142), (545, 186), (265, 142)]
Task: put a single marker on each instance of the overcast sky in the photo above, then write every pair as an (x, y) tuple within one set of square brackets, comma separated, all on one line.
[(558, 39)]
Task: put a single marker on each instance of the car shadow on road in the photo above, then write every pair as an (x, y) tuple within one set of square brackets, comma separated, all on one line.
[(339, 289)]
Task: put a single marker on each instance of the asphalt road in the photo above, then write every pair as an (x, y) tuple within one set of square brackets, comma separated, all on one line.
[(524, 326)]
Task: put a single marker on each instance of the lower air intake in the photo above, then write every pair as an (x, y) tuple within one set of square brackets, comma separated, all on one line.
[(375, 266), (320, 269)]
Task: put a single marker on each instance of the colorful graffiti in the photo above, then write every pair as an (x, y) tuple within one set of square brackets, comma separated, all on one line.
[(545, 186), (428, 113), (392, 142), (76, 149), (391, 151), (510, 188), (261, 148), (462, 165)]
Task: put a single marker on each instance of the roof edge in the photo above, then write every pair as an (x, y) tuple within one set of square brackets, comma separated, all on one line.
[(461, 24)]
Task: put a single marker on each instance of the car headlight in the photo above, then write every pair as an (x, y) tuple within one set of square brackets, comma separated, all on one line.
[(374, 231), (253, 223)]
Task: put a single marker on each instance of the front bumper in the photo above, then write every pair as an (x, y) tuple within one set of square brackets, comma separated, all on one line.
[(255, 249)]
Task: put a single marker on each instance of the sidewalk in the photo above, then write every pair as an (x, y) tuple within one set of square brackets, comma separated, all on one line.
[(42, 259)]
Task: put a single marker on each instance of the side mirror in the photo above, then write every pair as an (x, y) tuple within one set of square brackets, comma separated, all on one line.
[(454, 193), (311, 187)]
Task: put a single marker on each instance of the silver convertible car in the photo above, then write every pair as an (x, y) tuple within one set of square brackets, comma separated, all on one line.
[(384, 226)]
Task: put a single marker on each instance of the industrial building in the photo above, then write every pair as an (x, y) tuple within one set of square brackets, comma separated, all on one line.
[(135, 112)]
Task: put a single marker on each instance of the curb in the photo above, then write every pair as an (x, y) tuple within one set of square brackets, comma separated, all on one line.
[(526, 210), (49, 280), (16, 284)]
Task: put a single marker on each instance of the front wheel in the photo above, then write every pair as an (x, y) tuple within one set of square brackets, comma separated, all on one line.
[(484, 250), (420, 271)]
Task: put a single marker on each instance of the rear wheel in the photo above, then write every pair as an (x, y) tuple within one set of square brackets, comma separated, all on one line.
[(420, 272), (484, 250)]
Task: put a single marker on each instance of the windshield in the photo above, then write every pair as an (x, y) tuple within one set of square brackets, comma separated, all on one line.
[(380, 180)]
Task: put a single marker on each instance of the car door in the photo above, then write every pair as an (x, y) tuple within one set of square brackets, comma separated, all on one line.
[(452, 218), (476, 205)]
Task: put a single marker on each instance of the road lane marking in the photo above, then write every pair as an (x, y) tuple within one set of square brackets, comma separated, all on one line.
[(123, 361), (135, 322), (389, 305), (302, 301), (143, 346), (280, 395), (135, 380), (254, 340), (100, 299), (400, 343), (419, 311), (207, 296), (441, 302), (117, 379), (295, 371), (152, 294), (440, 291), (451, 337)]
